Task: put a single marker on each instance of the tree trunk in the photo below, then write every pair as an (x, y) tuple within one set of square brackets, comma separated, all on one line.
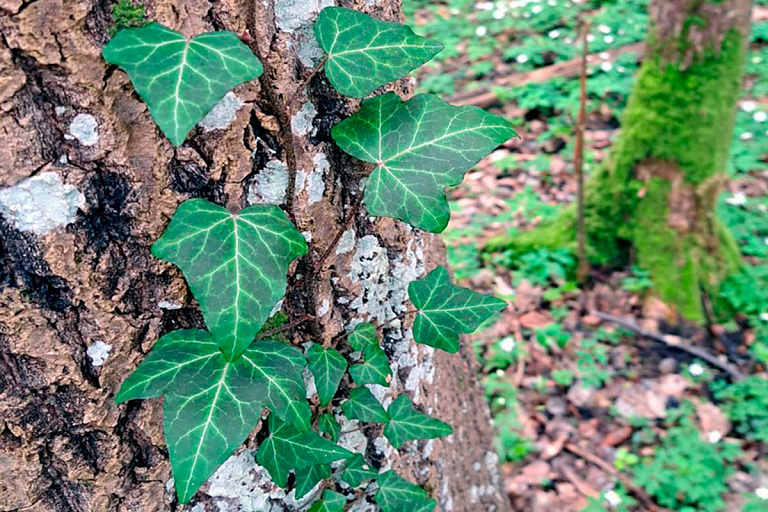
[(88, 183), (655, 197)]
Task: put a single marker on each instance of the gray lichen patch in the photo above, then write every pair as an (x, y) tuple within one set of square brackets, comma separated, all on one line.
[(84, 128), (222, 114), (244, 485), (270, 184), (41, 203), (98, 353), (291, 15), (347, 242), (301, 122), (314, 181)]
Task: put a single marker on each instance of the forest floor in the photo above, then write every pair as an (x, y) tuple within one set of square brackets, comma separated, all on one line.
[(593, 415)]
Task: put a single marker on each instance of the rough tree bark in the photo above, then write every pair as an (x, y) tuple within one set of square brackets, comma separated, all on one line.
[(87, 183), (655, 196)]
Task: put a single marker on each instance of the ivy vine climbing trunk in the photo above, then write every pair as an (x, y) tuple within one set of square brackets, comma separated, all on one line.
[(87, 183), (655, 196)]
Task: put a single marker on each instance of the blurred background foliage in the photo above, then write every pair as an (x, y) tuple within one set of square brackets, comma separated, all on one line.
[(590, 415)]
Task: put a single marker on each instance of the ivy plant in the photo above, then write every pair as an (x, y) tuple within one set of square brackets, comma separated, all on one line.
[(217, 383)]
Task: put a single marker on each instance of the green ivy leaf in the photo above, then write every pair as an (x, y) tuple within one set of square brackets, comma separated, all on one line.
[(406, 423), (396, 494), (446, 311), (235, 264), (331, 502), (180, 80), (365, 53), (420, 147), (287, 448), (362, 336), (363, 406), (307, 478), (328, 425), (211, 405), (357, 471), (374, 369), (328, 367)]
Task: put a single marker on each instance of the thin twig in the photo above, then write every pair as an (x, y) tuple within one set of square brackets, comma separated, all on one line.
[(291, 102), (608, 468), (578, 162), (285, 327), (674, 342), (401, 316), (351, 215)]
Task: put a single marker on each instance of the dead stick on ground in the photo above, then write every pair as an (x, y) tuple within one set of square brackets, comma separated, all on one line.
[(608, 468), (675, 342), (578, 161)]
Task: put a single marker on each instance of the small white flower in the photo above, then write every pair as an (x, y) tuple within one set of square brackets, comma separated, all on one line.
[(605, 55), (536, 9), (590, 38), (499, 372), (746, 136), (608, 39), (757, 60), (696, 369), (507, 344), (760, 117), (484, 6), (621, 69), (737, 199), (481, 31), (606, 66), (522, 58), (551, 3), (499, 15), (748, 106), (764, 317), (605, 29), (762, 493), (554, 34), (501, 400), (714, 436), (612, 498)]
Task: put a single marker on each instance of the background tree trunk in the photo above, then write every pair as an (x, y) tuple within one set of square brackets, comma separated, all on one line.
[(88, 183), (655, 197)]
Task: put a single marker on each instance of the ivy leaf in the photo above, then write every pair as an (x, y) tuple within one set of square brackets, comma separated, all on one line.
[(357, 471), (446, 311), (180, 80), (362, 336), (406, 423), (328, 368), (396, 494), (173, 359), (287, 448), (419, 147), (328, 425), (211, 405), (365, 53), (363, 406), (331, 502), (307, 478), (235, 264), (375, 368)]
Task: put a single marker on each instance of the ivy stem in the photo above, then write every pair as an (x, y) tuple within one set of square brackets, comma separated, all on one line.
[(344, 227), (401, 316), (291, 102), (351, 431), (290, 325)]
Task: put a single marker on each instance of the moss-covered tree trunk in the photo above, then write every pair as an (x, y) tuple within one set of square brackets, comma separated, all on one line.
[(654, 198), (87, 183)]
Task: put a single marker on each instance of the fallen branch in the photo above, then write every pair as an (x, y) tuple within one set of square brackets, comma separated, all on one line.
[(674, 342), (485, 97)]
